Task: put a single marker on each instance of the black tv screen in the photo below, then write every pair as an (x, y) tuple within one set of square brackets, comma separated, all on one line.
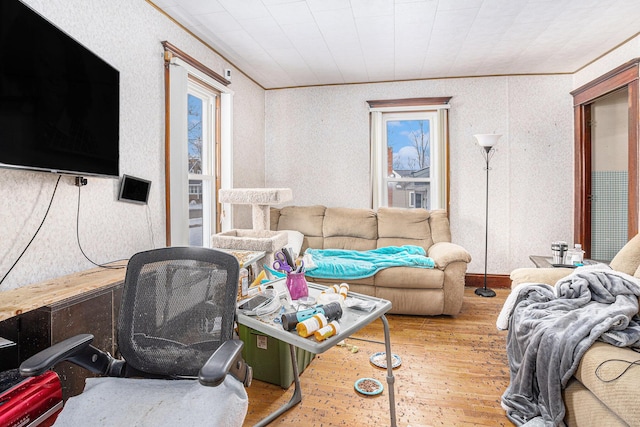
[(59, 102), (134, 190)]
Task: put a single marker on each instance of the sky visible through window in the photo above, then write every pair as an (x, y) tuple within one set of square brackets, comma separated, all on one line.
[(410, 142), (194, 120)]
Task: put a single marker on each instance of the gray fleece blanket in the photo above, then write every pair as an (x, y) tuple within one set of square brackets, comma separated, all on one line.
[(551, 328)]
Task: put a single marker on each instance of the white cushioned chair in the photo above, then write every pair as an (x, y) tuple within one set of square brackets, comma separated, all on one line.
[(181, 365)]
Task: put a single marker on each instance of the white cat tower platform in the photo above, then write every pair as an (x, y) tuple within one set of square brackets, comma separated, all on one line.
[(260, 238)]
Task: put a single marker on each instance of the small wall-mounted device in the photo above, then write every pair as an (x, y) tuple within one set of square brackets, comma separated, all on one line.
[(134, 190), (227, 74)]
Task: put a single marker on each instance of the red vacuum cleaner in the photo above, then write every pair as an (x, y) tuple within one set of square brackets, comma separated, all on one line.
[(29, 402)]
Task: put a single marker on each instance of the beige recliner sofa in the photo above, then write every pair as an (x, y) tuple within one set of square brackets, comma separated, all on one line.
[(411, 290), (589, 401)]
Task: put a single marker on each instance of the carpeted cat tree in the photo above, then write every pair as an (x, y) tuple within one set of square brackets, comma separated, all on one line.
[(260, 238)]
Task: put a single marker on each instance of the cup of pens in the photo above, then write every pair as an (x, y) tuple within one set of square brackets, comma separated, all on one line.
[(296, 282)]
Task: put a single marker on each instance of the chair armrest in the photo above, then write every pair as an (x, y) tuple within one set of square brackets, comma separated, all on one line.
[(550, 276), (226, 359), (77, 349), (444, 253)]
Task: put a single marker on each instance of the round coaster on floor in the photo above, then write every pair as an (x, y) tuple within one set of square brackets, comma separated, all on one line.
[(368, 386), (380, 360)]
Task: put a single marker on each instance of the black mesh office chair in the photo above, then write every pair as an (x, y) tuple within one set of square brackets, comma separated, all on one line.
[(175, 325)]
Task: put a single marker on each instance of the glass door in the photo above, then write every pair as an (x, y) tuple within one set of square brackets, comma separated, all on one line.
[(609, 175), (201, 129)]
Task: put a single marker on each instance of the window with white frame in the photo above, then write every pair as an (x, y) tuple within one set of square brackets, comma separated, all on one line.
[(198, 149), (415, 200), (409, 153), (201, 143)]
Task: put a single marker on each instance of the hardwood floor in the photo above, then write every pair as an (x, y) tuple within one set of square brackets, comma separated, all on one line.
[(453, 372)]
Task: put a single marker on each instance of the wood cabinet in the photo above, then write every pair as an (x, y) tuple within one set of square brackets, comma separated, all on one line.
[(81, 303)]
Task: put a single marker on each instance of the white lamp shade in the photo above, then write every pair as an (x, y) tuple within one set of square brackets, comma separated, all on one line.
[(487, 139)]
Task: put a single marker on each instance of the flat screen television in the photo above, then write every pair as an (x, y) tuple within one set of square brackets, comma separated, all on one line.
[(59, 102)]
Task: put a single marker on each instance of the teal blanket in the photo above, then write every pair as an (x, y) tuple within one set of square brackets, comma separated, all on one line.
[(348, 264)]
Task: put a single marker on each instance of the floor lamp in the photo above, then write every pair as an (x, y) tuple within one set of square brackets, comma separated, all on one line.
[(486, 141)]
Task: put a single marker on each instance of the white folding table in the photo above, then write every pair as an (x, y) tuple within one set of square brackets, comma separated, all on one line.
[(352, 321)]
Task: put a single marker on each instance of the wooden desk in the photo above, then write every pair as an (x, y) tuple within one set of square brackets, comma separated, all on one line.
[(39, 315), (31, 297)]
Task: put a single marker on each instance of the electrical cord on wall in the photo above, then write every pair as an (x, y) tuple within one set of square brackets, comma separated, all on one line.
[(150, 225), (78, 239), (36, 233)]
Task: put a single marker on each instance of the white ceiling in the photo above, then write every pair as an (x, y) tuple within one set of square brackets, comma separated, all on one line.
[(288, 43)]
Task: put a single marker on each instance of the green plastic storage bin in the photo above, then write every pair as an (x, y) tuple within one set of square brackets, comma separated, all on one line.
[(270, 358)]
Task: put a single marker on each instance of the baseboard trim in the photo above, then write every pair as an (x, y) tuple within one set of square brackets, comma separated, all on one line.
[(493, 280)]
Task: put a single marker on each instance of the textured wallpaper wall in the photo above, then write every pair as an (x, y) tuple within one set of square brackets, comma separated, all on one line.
[(317, 143), (127, 34)]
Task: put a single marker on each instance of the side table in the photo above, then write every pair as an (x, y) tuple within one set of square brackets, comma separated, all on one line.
[(541, 261), (247, 259), (351, 322)]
